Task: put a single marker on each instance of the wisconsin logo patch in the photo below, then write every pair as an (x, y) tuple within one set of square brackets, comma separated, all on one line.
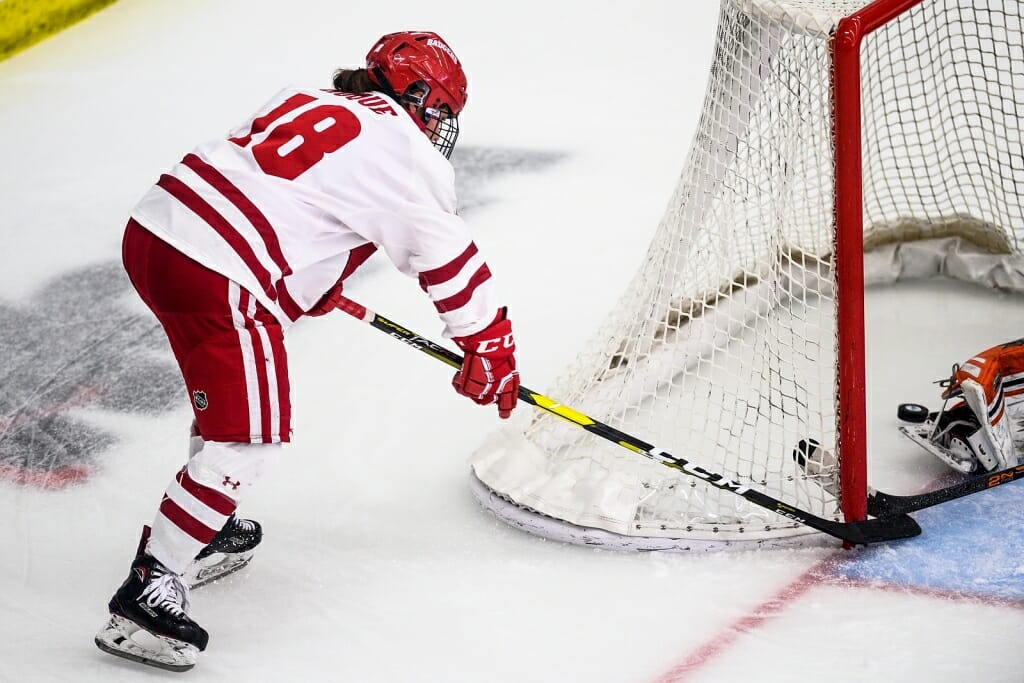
[(199, 400)]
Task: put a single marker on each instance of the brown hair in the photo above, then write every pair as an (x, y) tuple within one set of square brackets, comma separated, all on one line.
[(355, 81)]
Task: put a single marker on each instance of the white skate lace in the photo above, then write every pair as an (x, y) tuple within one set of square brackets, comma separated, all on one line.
[(244, 524), (167, 592)]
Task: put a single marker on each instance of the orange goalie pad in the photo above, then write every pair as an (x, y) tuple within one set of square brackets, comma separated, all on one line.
[(999, 371)]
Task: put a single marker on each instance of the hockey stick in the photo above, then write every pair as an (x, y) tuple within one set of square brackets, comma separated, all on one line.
[(855, 533), (885, 504)]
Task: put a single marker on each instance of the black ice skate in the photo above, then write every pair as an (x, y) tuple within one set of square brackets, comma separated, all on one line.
[(149, 620), (949, 435), (230, 550)]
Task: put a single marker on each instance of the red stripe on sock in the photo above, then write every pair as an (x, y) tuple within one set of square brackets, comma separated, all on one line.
[(186, 522), (211, 498)]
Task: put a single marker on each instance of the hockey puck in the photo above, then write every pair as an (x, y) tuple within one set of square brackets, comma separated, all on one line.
[(807, 448), (912, 412)]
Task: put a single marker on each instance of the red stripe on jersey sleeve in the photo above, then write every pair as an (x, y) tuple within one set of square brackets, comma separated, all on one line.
[(436, 276), (461, 298)]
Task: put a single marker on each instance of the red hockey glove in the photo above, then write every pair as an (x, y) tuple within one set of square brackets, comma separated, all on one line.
[(488, 373)]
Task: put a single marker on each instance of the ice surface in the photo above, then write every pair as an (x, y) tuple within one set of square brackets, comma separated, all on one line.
[(377, 565)]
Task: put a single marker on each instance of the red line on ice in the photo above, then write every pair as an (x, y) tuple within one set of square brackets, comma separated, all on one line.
[(765, 611), (822, 573)]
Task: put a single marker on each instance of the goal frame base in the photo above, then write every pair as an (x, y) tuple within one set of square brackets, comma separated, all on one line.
[(544, 526)]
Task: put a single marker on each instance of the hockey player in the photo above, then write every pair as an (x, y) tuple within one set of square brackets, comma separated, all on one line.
[(251, 232), (984, 430)]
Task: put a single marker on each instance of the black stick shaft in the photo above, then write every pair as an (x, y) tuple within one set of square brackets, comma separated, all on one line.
[(881, 503), (857, 532)]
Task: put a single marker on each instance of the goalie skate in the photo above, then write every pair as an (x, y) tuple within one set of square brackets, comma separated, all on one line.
[(124, 638), (950, 448), (230, 550), (949, 435)]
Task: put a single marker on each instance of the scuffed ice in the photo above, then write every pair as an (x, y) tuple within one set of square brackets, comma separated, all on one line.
[(75, 345)]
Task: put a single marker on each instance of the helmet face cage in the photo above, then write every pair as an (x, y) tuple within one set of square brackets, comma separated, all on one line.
[(446, 133), (440, 126)]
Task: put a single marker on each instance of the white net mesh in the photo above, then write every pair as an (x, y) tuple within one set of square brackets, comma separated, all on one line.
[(723, 349)]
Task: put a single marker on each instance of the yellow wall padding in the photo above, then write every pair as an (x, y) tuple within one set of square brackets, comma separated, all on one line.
[(24, 22)]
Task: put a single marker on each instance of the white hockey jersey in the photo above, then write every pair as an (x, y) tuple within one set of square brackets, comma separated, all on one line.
[(299, 196)]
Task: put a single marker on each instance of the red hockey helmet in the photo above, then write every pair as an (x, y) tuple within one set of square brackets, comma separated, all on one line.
[(419, 68), (408, 57)]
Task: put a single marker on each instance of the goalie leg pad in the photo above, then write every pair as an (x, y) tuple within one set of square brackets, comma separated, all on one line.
[(992, 443)]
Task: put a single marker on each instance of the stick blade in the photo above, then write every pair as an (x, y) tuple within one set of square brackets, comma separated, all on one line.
[(880, 530)]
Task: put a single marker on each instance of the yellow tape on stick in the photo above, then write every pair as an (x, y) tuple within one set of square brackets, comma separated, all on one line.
[(26, 22)]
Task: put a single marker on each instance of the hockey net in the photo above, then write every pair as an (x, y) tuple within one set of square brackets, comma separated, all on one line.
[(742, 332)]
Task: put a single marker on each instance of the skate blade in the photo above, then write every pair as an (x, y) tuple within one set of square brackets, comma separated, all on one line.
[(215, 567), (124, 638)]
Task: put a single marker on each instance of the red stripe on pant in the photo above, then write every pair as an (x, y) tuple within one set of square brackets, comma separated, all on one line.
[(283, 391), (260, 362), (263, 382)]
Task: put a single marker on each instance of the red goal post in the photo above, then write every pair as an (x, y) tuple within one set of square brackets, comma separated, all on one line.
[(846, 48), (849, 262)]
